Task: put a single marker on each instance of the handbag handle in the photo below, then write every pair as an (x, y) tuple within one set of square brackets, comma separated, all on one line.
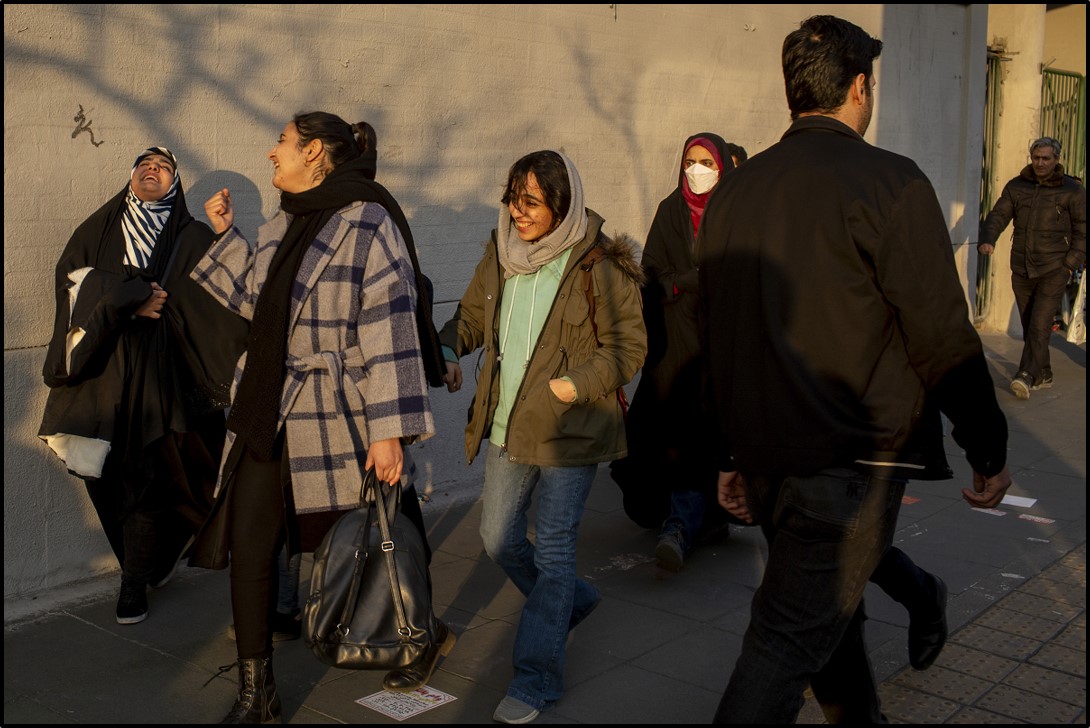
[(382, 502), (378, 503)]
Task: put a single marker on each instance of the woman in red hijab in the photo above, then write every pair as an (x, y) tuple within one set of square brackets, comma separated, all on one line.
[(670, 474)]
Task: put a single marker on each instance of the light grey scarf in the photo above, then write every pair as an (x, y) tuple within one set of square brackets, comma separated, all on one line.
[(518, 257)]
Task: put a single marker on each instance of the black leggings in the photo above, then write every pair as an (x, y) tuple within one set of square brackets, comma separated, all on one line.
[(256, 536), (257, 533)]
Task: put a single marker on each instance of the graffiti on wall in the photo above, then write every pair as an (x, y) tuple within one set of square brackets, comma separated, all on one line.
[(83, 125)]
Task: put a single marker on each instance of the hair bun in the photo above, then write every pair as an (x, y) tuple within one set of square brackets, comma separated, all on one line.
[(366, 138)]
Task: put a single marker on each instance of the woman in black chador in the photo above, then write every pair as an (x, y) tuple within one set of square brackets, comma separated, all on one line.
[(138, 368), (669, 477)]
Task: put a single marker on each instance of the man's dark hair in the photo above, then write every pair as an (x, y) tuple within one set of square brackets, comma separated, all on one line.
[(820, 61), (737, 151), (552, 178)]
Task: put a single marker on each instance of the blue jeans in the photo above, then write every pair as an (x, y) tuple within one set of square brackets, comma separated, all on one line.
[(686, 516), (826, 534), (544, 570)]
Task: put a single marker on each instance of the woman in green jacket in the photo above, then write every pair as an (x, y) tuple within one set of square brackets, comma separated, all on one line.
[(555, 304)]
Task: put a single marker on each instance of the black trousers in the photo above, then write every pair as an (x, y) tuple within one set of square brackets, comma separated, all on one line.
[(1038, 302), (904, 582)]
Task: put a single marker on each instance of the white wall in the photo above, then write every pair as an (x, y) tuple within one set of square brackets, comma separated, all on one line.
[(1021, 29), (457, 93)]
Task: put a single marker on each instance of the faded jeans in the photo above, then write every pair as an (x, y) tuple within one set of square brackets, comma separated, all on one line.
[(687, 508), (544, 570), (826, 534)]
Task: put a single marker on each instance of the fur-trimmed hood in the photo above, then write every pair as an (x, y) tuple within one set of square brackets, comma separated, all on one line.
[(623, 250)]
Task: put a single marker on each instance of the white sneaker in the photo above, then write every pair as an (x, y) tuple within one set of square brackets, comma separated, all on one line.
[(514, 711), (1020, 385)]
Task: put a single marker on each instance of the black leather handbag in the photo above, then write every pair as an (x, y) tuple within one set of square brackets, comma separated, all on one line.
[(369, 606)]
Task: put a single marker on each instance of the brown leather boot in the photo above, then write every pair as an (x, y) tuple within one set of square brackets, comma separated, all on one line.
[(258, 701), (410, 678)]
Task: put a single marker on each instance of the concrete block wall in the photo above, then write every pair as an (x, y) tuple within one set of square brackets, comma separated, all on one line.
[(457, 93)]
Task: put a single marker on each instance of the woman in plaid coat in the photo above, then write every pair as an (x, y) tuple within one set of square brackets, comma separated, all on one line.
[(332, 372)]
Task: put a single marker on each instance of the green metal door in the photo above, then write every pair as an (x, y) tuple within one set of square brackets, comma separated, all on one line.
[(1063, 116)]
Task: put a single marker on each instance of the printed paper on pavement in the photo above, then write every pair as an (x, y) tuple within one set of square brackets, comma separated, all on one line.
[(400, 706)]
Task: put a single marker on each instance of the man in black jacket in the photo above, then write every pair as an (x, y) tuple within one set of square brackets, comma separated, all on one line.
[(836, 330), (1049, 212)]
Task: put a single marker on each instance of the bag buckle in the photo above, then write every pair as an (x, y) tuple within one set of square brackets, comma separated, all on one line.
[(387, 546), (343, 631)]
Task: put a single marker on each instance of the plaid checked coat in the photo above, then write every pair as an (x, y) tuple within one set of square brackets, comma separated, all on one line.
[(355, 373)]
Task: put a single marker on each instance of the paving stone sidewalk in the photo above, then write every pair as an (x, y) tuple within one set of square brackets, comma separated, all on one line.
[(661, 646)]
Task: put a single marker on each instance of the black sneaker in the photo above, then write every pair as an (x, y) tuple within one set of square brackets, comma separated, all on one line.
[(132, 604), (1021, 384), (1044, 381)]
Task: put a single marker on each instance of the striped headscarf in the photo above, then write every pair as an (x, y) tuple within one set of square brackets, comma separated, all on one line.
[(143, 221)]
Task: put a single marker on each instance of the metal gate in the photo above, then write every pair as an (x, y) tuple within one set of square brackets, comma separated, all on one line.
[(993, 109), (1063, 116)]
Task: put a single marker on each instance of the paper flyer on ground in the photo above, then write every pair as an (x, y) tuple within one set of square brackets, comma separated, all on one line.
[(401, 706), (1017, 500)]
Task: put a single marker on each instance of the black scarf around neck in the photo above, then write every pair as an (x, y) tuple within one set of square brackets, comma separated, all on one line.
[(256, 408)]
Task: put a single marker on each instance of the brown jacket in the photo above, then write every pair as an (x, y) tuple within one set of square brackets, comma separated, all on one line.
[(1049, 222), (542, 430)]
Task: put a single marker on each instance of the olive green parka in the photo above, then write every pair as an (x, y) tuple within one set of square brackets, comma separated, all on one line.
[(542, 430)]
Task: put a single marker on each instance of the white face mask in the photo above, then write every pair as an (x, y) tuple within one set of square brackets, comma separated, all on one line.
[(701, 178)]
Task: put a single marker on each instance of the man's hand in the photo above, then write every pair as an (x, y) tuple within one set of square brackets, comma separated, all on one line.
[(987, 492), (985, 248), (453, 377), (732, 496), (387, 457)]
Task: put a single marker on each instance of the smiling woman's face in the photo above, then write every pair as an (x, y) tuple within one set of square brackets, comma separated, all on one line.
[(290, 172), (533, 218), (152, 178)]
